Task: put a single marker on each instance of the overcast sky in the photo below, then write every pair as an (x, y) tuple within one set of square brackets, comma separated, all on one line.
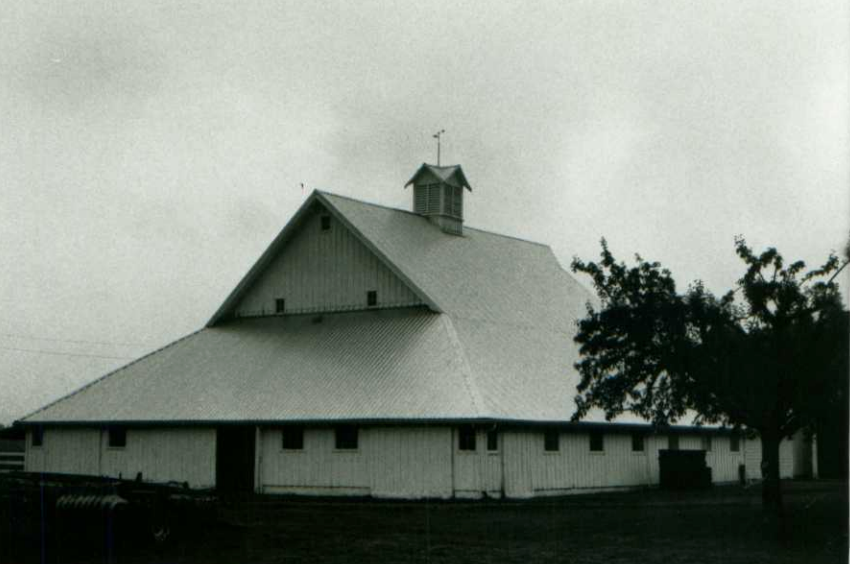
[(150, 151)]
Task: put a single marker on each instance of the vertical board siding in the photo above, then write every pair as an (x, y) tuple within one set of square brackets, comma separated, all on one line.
[(400, 462), (324, 271), (163, 455), (409, 462), (478, 472), (319, 468)]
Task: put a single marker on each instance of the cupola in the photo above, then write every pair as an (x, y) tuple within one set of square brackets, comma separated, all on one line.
[(438, 195)]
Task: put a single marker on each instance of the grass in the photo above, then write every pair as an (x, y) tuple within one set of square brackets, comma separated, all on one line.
[(725, 524)]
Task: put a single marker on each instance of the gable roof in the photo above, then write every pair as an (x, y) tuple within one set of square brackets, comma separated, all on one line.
[(452, 175), (496, 345)]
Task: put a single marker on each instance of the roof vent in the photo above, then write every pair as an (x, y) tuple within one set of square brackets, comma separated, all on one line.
[(438, 195)]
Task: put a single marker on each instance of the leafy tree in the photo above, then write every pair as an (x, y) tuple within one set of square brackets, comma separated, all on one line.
[(764, 357)]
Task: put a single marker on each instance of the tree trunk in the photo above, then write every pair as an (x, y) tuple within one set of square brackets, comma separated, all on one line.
[(771, 493)]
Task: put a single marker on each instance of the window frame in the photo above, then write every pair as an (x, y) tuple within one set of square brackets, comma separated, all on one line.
[(325, 222), (734, 442), (467, 439), (371, 298), (493, 440), (287, 431), (280, 305), (339, 438), (638, 439), (37, 432), (552, 440), (593, 437), (113, 434)]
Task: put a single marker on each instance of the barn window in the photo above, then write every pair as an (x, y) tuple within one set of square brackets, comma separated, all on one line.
[(492, 440), (551, 440), (280, 305), (706, 443), (117, 437), (293, 437), (673, 442), (466, 438), (372, 298), (735, 443), (597, 441), (326, 222), (637, 442), (37, 438), (346, 437)]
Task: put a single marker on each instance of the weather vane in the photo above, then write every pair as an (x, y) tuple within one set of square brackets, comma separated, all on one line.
[(437, 137)]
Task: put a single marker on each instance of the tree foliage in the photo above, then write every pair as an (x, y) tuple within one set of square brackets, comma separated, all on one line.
[(763, 356)]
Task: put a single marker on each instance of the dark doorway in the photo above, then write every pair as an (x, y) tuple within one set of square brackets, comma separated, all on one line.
[(234, 459)]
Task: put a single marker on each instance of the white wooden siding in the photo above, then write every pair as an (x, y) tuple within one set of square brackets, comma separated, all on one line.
[(396, 462), (401, 462), (324, 271), (161, 455)]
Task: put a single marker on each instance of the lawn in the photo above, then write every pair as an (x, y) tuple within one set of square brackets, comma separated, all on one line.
[(725, 524)]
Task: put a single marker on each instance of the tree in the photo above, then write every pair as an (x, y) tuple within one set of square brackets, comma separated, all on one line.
[(764, 357)]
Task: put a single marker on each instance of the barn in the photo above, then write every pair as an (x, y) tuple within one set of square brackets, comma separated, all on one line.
[(378, 352)]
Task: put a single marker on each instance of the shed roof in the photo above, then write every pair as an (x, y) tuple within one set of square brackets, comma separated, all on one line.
[(497, 345)]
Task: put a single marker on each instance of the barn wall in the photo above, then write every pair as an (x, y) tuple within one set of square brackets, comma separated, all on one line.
[(324, 271), (163, 455), (531, 471), (478, 472), (64, 451), (401, 462), (317, 469)]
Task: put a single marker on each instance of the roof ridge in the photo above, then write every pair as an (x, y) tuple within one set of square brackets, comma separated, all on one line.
[(466, 370), (107, 375), (465, 226)]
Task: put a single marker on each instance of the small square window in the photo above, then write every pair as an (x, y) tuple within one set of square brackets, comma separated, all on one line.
[(346, 437), (551, 440), (466, 438), (372, 298), (597, 441), (280, 305), (735, 442), (673, 442), (117, 437), (706, 443), (292, 437), (637, 442), (492, 440), (326, 222), (37, 437)]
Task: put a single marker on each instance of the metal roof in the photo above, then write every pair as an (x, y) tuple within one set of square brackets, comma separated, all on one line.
[(498, 345), (451, 174)]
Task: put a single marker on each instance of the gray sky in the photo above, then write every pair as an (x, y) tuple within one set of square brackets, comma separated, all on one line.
[(149, 151)]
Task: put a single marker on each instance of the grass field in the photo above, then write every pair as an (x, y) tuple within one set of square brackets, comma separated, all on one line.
[(724, 525)]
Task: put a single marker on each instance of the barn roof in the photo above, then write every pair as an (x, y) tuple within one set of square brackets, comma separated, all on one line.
[(496, 343)]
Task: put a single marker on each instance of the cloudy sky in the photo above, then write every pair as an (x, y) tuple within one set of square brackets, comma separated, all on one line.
[(149, 151)]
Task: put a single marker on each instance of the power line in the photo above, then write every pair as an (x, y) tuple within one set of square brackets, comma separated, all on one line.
[(61, 353), (82, 341)]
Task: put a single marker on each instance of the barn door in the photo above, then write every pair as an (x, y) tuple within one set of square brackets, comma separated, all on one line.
[(234, 459)]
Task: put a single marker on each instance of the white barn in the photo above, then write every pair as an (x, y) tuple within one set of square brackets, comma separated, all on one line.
[(376, 351)]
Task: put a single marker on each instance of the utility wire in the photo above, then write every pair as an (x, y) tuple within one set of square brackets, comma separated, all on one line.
[(61, 353), (82, 341)]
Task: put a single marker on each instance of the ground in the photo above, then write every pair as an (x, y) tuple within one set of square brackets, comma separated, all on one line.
[(724, 524)]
